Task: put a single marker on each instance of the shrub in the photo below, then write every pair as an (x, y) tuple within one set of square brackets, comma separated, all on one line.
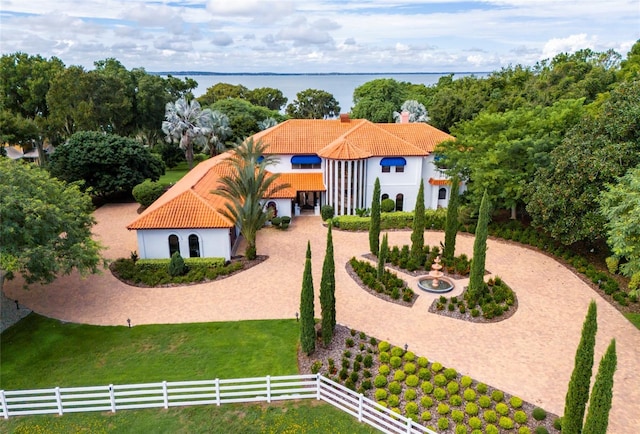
[(176, 265), (443, 408), (326, 212), (436, 367), (457, 416), (539, 414), (466, 381), (541, 430), (481, 388), (461, 429), (366, 384), (395, 362), (502, 409), (384, 357), (439, 393), (395, 388), (450, 373), (469, 394), (399, 376), (453, 387), (515, 402), (440, 380), (410, 394), (484, 401), (387, 205), (426, 387), (384, 370), (424, 374), (425, 416), (475, 423), (411, 408), (315, 368), (491, 429), (443, 423), (381, 394), (412, 380), (455, 400), (426, 401), (397, 352), (147, 192), (524, 430), (409, 368), (490, 416), (520, 417), (393, 400), (349, 342), (354, 377), (497, 395), (471, 408), (423, 362), (380, 381), (368, 361), (557, 423)]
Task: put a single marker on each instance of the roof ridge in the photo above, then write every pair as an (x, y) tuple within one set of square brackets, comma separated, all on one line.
[(389, 133)]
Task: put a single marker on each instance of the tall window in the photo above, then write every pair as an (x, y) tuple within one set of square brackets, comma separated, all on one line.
[(384, 196), (399, 201), (194, 246), (442, 194), (174, 244)]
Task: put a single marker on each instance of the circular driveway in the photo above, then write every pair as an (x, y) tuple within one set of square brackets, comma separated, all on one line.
[(530, 355)]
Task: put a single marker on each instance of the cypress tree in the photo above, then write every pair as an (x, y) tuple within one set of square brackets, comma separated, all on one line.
[(417, 236), (476, 276), (451, 226), (602, 393), (374, 229), (382, 256), (307, 323), (578, 391), (328, 292)]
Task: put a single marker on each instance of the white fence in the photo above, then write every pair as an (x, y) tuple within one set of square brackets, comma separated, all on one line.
[(181, 393)]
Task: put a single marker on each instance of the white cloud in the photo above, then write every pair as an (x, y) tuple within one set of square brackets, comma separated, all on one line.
[(569, 44)]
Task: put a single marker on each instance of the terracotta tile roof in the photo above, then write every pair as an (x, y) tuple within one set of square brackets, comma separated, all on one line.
[(433, 181), (342, 149), (303, 181), (422, 135)]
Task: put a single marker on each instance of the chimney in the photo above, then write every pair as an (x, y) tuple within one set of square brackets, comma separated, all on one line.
[(344, 117), (404, 117)]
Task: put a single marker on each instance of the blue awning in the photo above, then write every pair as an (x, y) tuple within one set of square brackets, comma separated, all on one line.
[(306, 159), (393, 161)]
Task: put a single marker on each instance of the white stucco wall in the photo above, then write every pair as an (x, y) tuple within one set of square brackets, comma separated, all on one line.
[(154, 243), (392, 183), (282, 205), (284, 165)]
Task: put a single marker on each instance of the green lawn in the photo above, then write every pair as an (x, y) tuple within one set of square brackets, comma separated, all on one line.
[(40, 352), (634, 318), (171, 176)]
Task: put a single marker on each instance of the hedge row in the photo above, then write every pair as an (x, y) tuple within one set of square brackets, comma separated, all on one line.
[(434, 219), (155, 272)]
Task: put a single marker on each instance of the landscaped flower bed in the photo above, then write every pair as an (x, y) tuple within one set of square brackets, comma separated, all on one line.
[(390, 286)]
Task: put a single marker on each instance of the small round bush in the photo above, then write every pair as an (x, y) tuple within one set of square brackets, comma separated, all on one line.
[(520, 417), (439, 393), (557, 423), (426, 387), (490, 416), (541, 430), (409, 356), (497, 395), (484, 401), (471, 408), (409, 368), (393, 400), (397, 352), (450, 373), (461, 429), (426, 416), (399, 376), (502, 409), (381, 394), (384, 357), (524, 430), (475, 422), (515, 402), (410, 394), (443, 423), (455, 400), (453, 387), (380, 381), (469, 395), (147, 192), (384, 370), (395, 362), (382, 404), (426, 401), (436, 367), (384, 346), (481, 388), (395, 388), (440, 380), (412, 380), (457, 416), (424, 374), (491, 429), (423, 362), (326, 212), (443, 408), (466, 381), (368, 361), (387, 205), (506, 422), (539, 413), (477, 431), (411, 408)]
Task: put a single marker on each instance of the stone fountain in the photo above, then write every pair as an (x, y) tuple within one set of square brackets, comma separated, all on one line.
[(436, 282)]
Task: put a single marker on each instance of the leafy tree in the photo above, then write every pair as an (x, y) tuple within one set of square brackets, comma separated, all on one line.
[(46, 225), (151, 98), (180, 88), (620, 205), (377, 99), (417, 112), (601, 148), (630, 67), (244, 117), (477, 287), (578, 391), (107, 164), (451, 225), (147, 192), (245, 188), (602, 393), (267, 123), (374, 229), (382, 256), (313, 104), (114, 97), (417, 234), (186, 122), (70, 103), (268, 97), (222, 91), (307, 322), (328, 291)]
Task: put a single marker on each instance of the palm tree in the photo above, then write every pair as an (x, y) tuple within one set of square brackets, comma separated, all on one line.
[(220, 130), (417, 112), (246, 186), (187, 122)]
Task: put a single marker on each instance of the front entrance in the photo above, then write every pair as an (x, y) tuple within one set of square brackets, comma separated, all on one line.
[(307, 202)]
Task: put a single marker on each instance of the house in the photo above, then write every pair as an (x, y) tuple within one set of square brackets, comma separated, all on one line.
[(325, 162)]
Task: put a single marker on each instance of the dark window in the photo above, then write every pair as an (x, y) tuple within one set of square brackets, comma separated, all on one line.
[(194, 246), (442, 194), (399, 201), (174, 244), (386, 169), (384, 196), (399, 169), (307, 166)]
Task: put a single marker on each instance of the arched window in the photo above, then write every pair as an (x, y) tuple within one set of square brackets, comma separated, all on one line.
[(174, 244), (194, 246), (384, 196), (399, 201), (442, 194), (272, 209)]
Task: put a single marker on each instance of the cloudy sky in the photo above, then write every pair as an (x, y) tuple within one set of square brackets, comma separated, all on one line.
[(316, 35)]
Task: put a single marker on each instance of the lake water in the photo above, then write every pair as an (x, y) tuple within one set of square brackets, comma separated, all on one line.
[(341, 86)]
